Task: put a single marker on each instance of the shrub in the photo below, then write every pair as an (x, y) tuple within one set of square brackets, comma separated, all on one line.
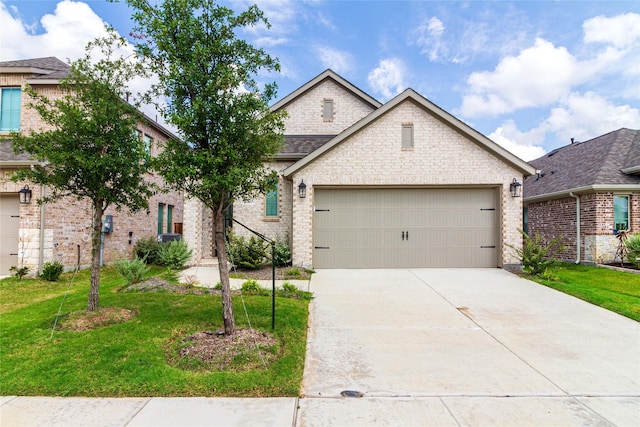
[(19, 272), (251, 287), (51, 271), (293, 273), (282, 255), (148, 250), (291, 291), (633, 248), (538, 258), (132, 271), (174, 254), (245, 253)]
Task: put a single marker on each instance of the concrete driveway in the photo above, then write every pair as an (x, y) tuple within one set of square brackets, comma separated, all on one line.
[(464, 347)]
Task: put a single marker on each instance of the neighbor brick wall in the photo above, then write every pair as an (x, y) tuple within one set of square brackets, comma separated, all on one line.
[(67, 221), (373, 157), (305, 113), (557, 217)]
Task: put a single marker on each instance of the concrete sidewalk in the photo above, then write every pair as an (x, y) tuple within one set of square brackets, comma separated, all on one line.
[(146, 412)]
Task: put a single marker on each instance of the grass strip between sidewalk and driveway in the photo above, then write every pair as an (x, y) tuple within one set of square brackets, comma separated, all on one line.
[(136, 357), (617, 291)]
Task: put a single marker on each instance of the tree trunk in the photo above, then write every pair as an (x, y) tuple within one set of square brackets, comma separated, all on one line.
[(223, 268), (94, 289)]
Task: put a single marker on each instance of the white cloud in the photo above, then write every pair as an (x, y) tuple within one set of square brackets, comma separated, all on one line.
[(587, 115), (536, 77), (66, 32), (543, 74), (518, 143), (428, 36), (339, 61), (621, 31), (283, 16), (579, 116), (388, 78)]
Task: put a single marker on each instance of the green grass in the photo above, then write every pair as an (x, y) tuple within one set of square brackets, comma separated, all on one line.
[(614, 290), (133, 358)]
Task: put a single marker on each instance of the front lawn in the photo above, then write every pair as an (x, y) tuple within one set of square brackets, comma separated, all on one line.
[(140, 356), (614, 290)]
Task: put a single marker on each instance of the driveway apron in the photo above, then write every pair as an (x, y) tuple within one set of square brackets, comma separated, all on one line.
[(464, 347)]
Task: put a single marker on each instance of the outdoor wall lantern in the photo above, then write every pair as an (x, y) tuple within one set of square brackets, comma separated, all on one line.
[(25, 195), (302, 190), (515, 188)]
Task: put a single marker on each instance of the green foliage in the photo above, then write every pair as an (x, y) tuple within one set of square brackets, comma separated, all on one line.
[(207, 76), (538, 256), (170, 275), (107, 361), (174, 254), (293, 273), (51, 271), (290, 290), (148, 249), (282, 255), (90, 149), (252, 287), (19, 272), (133, 271), (633, 248), (251, 253), (614, 290)]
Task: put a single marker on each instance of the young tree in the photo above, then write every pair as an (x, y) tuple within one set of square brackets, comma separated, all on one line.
[(90, 149), (207, 75)]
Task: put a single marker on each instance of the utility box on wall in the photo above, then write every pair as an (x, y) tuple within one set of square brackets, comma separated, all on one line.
[(107, 224)]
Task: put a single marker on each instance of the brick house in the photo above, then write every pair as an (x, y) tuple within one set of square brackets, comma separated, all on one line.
[(586, 192), (401, 184), (31, 235)]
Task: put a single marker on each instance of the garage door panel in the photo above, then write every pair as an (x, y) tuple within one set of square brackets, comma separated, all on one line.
[(366, 228)]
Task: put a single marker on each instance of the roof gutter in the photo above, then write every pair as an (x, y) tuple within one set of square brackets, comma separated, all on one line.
[(577, 226), (580, 190)]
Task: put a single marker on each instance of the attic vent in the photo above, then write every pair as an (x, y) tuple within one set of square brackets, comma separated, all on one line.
[(327, 110)]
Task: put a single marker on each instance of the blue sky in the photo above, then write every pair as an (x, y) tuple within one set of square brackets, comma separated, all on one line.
[(528, 74)]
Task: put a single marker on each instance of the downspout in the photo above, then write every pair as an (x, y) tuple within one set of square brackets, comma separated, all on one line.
[(41, 256), (577, 226)]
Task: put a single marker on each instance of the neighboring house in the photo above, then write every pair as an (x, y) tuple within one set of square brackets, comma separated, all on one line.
[(31, 235), (404, 184), (586, 192)]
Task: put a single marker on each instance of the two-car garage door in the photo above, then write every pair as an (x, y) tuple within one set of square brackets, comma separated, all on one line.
[(402, 227)]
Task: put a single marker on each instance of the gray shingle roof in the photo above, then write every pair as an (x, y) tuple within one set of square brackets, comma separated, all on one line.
[(55, 68), (598, 161), (303, 144), (7, 155)]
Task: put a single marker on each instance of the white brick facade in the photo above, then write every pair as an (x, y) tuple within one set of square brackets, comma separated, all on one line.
[(58, 230), (373, 157), (305, 113), (370, 154)]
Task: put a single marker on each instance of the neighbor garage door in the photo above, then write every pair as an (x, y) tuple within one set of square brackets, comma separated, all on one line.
[(386, 228), (9, 219)]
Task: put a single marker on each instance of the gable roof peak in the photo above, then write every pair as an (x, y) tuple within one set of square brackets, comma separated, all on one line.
[(433, 109), (327, 74)]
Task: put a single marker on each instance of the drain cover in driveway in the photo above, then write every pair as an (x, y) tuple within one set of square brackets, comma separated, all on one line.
[(351, 393)]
